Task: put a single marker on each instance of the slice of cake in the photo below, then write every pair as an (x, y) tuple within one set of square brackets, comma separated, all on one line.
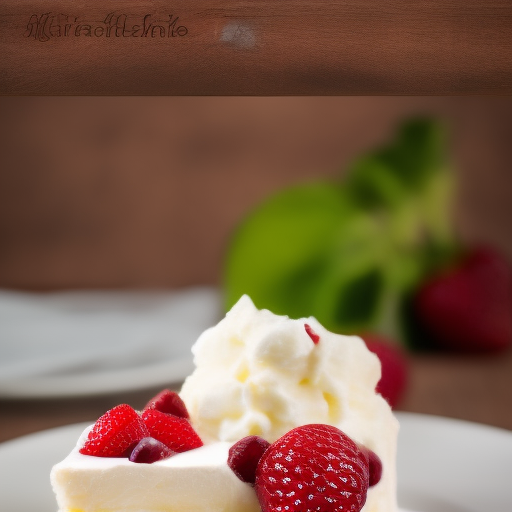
[(196, 480), (279, 415)]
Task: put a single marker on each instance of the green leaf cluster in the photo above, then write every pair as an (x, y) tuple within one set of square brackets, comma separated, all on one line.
[(351, 251)]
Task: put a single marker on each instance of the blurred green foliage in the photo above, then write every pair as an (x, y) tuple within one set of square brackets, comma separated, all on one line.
[(351, 252)]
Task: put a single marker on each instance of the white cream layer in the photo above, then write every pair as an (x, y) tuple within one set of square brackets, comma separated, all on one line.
[(195, 481)]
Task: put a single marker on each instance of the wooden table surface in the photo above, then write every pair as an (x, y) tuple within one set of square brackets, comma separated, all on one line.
[(257, 47)]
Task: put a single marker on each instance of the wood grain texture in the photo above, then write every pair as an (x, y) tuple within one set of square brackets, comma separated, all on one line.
[(138, 192), (259, 47)]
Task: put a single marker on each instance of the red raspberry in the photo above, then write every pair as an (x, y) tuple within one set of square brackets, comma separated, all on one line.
[(118, 430), (313, 467), (244, 456), (176, 433), (312, 334), (374, 466), (169, 402), (469, 306), (149, 450), (394, 365)]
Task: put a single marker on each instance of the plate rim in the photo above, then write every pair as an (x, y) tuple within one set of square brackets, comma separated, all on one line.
[(169, 371)]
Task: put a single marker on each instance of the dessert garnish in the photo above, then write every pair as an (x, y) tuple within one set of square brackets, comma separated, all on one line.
[(118, 430), (143, 437), (313, 467), (169, 402), (149, 450), (244, 456), (176, 433), (394, 367), (375, 468), (312, 334)]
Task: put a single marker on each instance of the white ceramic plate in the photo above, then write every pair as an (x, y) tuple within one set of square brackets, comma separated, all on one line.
[(93, 342), (447, 465), (443, 466)]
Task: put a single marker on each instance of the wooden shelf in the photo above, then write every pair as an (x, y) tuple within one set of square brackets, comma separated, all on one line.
[(259, 47)]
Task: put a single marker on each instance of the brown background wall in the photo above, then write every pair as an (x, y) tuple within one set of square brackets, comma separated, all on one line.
[(144, 191)]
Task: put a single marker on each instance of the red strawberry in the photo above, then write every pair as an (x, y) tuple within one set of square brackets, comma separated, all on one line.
[(176, 433), (115, 432), (313, 467), (169, 402), (394, 376), (469, 306), (244, 456)]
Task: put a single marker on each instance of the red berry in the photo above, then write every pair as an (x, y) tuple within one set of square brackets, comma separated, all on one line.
[(374, 466), (169, 402), (176, 433), (312, 334), (115, 432), (394, 368), (313, 467), (244, 456), (469, 306), (149, 450)]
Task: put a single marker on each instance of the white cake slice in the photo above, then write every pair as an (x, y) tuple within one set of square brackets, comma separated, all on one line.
[(256, 374), (198, 480)]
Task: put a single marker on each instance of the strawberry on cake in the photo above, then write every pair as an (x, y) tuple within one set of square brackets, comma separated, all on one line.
[(279, 415)]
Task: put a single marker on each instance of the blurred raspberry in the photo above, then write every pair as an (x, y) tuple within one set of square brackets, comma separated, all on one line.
[(468, 307), (394, 378)]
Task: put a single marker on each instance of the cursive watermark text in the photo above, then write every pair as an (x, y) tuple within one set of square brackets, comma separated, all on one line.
[(46, 26)]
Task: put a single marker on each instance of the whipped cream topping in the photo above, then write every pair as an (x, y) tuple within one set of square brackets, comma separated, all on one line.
[(262, 374)]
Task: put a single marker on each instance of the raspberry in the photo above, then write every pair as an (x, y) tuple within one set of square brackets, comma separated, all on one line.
[(149, 450), (244, 456), (394, 365), (469, 307), (169, 402), (312, 334), (374, 466), (176, 433), (115, 432), (313, 467)]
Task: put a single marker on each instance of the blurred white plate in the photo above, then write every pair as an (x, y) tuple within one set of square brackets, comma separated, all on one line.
[(443, 466), (447, 465), (92, 342)]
